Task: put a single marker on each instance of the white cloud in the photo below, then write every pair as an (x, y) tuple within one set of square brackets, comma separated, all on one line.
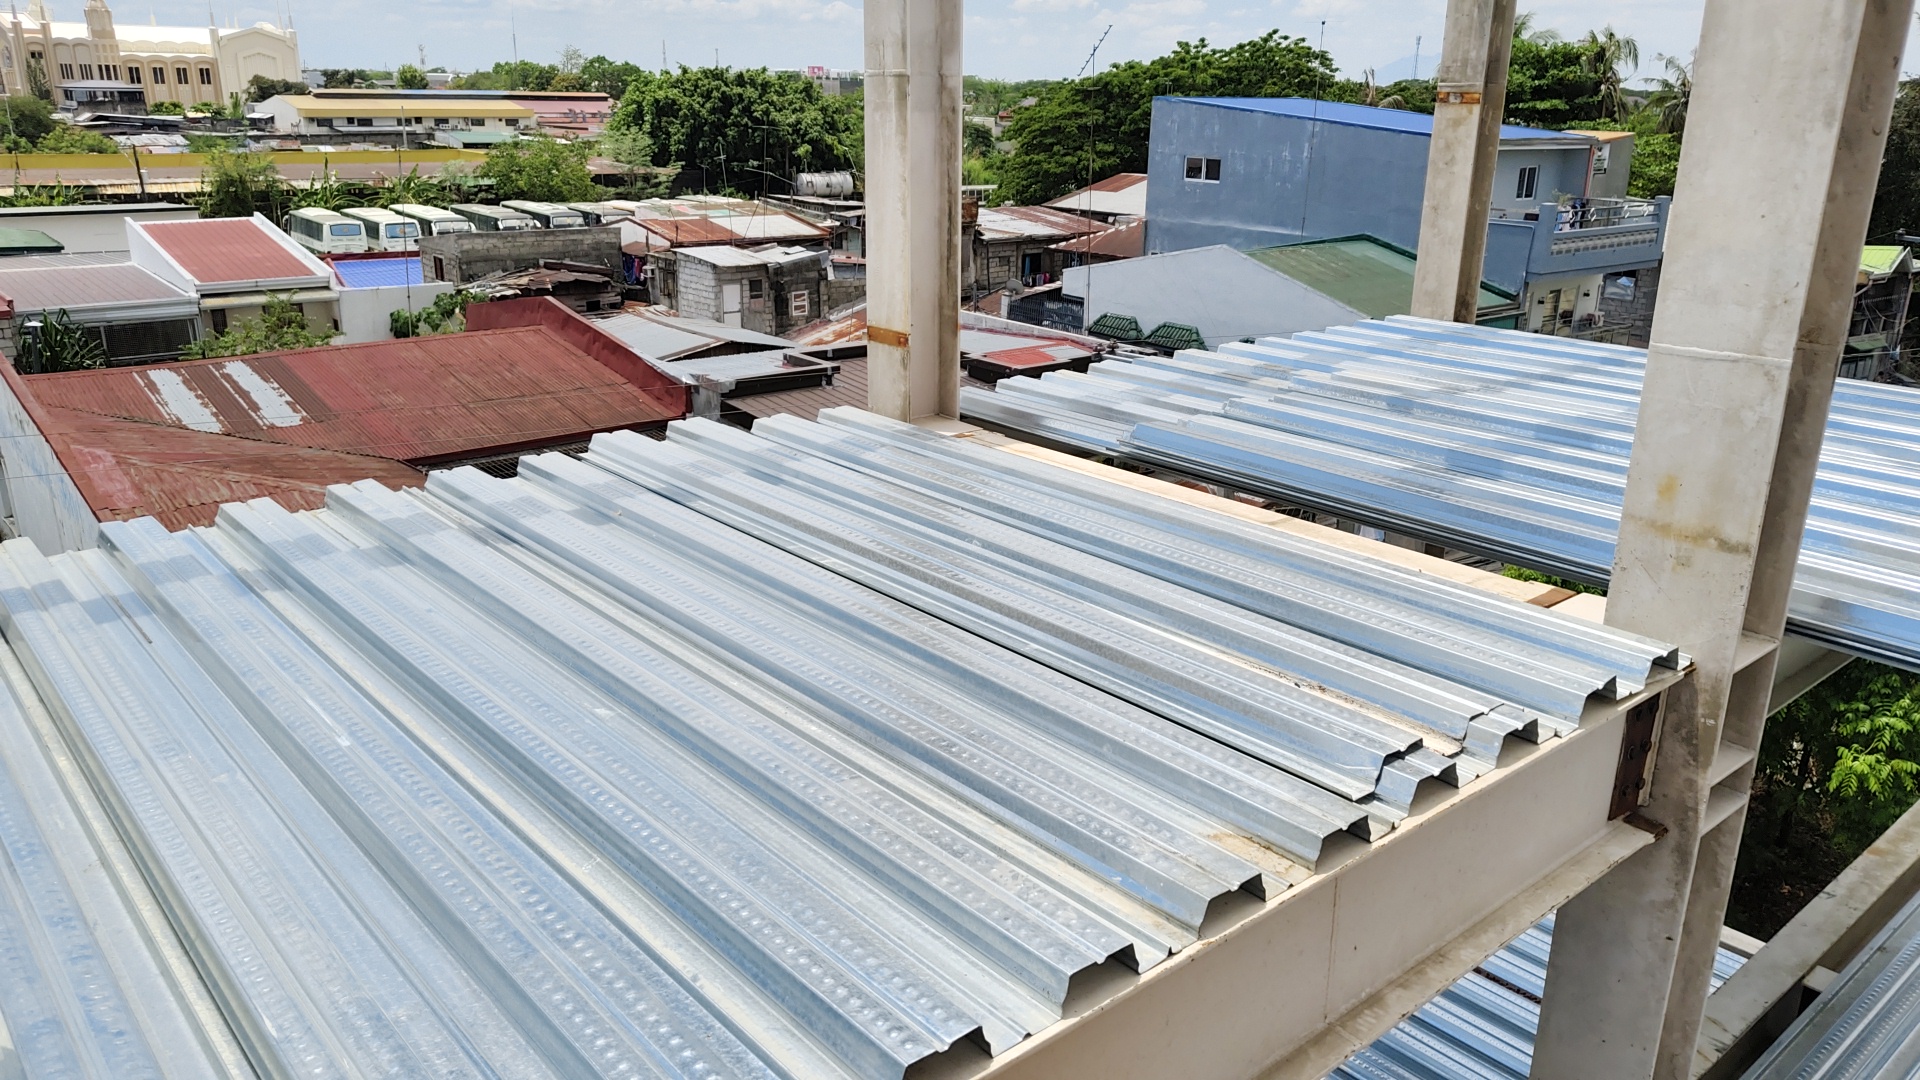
[(1051, 5)]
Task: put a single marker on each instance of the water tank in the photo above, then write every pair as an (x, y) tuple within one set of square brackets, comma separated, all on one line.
[(824, 185)]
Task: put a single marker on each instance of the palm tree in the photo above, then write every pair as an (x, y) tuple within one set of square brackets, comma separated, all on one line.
[(1523, 29), (1370, 94), (1670, 95), (1607, 54)]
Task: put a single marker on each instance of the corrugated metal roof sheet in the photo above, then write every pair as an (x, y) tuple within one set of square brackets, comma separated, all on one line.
[(377, 273), (1120, 242), (688, 231), (1121, 193), (1483, 1026), (1866, 1024), (216, 251), (603, 771), (1033, 223), (416, 400), (45, 288), (1509, 444), (1372, 277), (128, 469)]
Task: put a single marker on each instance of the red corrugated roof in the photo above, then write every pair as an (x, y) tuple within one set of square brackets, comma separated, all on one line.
[(418, 400), (1118, 182), (1032, 356), (218, 250), (128, 469), (688, 231), (1120, 242)]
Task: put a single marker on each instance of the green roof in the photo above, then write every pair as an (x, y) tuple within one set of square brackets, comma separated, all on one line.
[(1117, 327), (1371, 276), (28, 242), (1173, 337), (1877, 259)]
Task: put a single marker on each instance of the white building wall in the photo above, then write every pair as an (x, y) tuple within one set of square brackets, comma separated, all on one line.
[(45, 504), (366, 314)]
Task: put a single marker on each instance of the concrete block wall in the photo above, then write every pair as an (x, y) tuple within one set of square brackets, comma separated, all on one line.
[(464, 257)]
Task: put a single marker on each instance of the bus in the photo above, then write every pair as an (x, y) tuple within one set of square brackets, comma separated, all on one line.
[(549, 215), (325, 231), (433, 220), (493, 218), (599, 213), (386, 230)]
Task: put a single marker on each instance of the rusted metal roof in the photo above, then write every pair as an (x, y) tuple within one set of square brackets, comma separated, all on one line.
[(418, 400), (129, 468), (1033, 223), (688, 231), (216, 251), (1118, 182), (1120, 242)]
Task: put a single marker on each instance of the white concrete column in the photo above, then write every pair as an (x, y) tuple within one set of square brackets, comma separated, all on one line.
[(1746, 338), (1470, 95), (933, 178), (889, 290)]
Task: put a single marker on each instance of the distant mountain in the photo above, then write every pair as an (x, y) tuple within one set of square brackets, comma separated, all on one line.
[(1403, 68)]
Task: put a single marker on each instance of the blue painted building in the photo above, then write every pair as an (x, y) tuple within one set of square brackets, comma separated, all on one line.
[(1259, 172)]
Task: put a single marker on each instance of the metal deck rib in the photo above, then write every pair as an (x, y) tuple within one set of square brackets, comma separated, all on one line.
[(1507, 444), (725, 756)]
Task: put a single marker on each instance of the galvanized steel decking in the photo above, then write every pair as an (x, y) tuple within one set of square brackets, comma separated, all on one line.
[(801, 755), (1508, 444)]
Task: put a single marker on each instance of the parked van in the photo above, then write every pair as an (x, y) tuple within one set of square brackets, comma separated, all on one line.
[(386, 230), (326, 231), (493, 218), (433, 220), (549, 215), (599, 213)]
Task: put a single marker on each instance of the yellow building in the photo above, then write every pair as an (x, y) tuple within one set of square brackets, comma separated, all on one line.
[(97, 66)]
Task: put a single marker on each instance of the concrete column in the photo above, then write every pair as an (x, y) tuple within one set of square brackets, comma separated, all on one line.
[(933, 177), (1746, 339), (1470, 97), (889, 291)]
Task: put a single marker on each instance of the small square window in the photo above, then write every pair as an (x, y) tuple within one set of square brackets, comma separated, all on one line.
[(66, 71), (1529, 182), (159, 76), (798, 303), (133, 74), (86, 71), (180, 76), (754, 289), (1204, 169)]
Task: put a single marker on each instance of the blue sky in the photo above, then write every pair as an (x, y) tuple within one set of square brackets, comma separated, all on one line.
[(1005, 38)]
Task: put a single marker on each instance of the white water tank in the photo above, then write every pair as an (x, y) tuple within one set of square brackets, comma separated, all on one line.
[(824, 185)]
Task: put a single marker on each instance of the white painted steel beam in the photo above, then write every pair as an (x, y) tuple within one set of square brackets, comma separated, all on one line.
[(1470, 95), (1283, 988), (1746, 340)]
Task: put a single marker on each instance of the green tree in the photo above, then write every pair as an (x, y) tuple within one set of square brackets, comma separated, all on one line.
[(415, 188), (1091, 128), (539, 168), (1671, 94), (280, 327), (409, 77), (1896, 204), (342, 78), (260, 88), (609, 77), (27, 118), (238, 185), (633, 150), (54, 194), (1656, 156), (67, 139), (1554, 85), (991, 97), (509, 75), (747, 129), (446, 315), (976, 140), (59, 345), (1835, 768), (166, 108), (1608, 53), (326, 192)]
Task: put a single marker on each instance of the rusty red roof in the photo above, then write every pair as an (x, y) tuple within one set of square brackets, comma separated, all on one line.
[(688, 231), (1119, 181), (1120, 242), (418, 400), (216, 251), (128, 468)]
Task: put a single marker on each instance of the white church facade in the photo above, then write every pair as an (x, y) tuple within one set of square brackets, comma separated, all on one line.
[(98, 66)]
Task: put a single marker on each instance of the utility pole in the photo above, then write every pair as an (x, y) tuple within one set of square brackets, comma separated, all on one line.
[(1470, 94)]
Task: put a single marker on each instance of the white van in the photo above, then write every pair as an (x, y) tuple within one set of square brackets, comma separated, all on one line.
[(386, 230), (326, 231), (433, 220)]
